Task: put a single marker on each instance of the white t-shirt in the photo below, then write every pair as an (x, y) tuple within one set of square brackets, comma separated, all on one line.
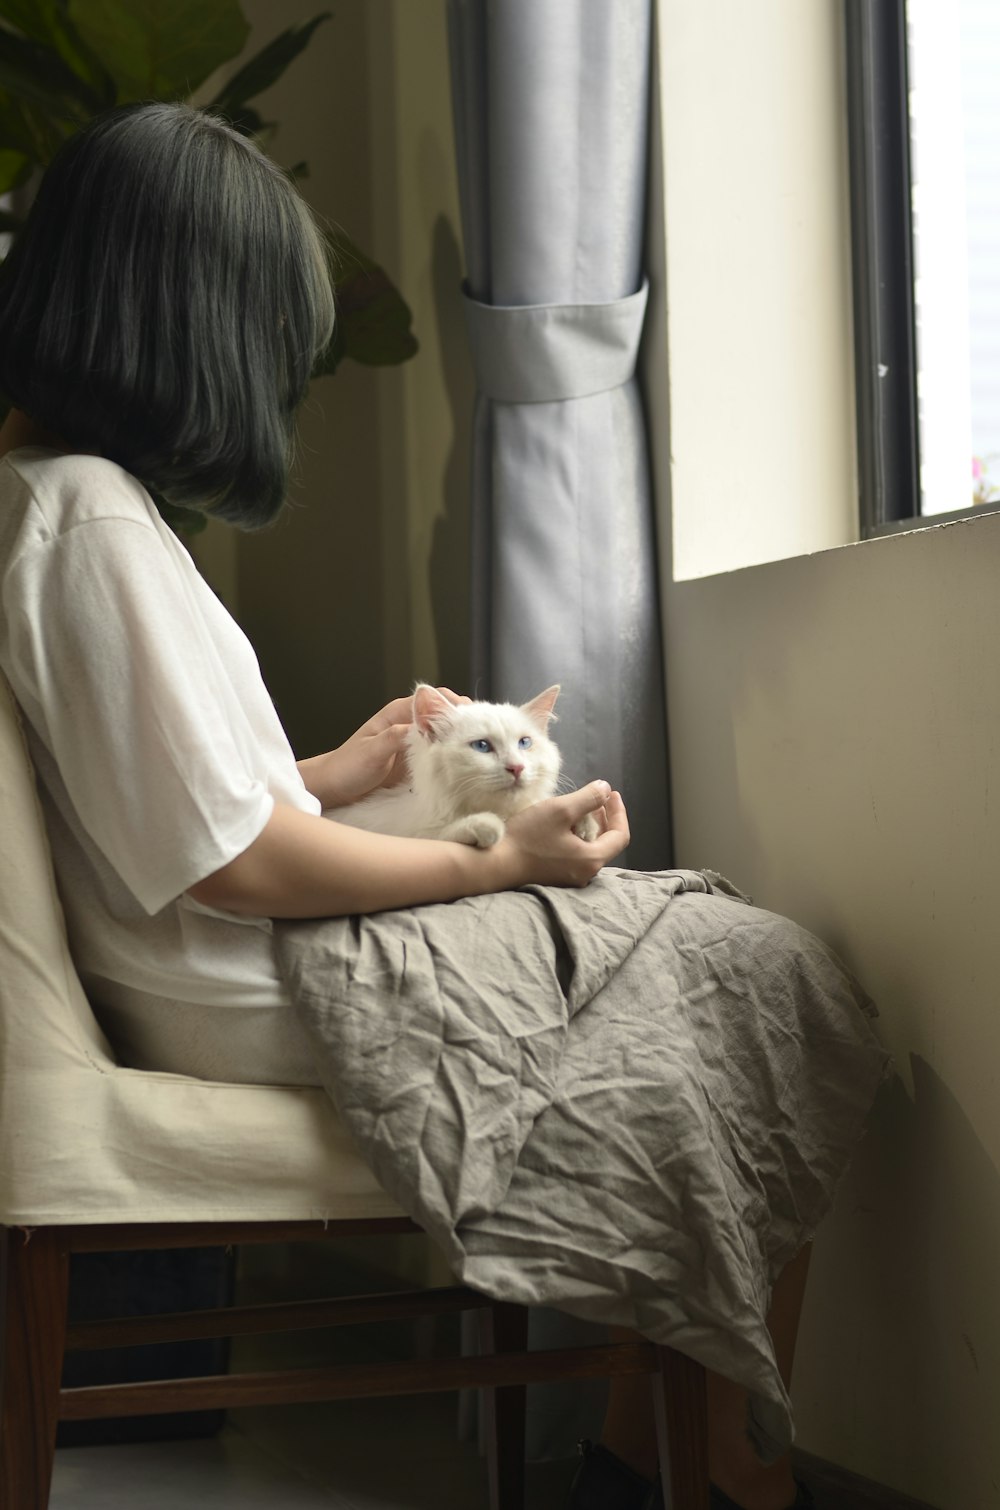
[(158, 750)]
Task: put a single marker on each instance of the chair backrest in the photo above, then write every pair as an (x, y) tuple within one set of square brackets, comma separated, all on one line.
[(83, 1140), (35, 963)]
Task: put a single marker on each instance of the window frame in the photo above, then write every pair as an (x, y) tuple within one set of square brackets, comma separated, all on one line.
[(882, 266)]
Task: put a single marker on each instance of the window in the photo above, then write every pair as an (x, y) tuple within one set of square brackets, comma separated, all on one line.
[(924, 136)]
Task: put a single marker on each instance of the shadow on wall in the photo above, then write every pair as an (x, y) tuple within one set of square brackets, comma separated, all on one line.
[(448, 566), (918, 1223)]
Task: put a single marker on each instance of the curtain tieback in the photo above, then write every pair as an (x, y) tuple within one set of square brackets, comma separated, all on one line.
[(541, 353)]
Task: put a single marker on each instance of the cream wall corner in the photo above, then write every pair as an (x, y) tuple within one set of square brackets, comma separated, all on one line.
[(836, 721)]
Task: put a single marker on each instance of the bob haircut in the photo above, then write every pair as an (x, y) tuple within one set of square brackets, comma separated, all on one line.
[(164, 306)]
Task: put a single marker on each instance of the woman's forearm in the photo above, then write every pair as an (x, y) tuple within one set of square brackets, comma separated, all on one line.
[(301, 866), (316, 778)]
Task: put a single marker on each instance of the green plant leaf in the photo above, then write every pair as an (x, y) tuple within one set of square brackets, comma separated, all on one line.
[(32, 72), (29, 129), (14, 135), (41, 20), (15, 167), (46, 21), (373, 318), (35, 18), (160, 49), (266, 66)]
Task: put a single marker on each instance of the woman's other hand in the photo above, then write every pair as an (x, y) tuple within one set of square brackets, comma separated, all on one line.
[(371, 758), (542, 846)]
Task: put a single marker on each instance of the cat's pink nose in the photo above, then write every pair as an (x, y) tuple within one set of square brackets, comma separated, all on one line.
[(515, 770)]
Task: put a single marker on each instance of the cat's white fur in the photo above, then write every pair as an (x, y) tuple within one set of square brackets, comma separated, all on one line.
[(456, 789)]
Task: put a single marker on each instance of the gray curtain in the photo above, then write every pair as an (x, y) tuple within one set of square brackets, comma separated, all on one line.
[(551, 121), (551, 112)]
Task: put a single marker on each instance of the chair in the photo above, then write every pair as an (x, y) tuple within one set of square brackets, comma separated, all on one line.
[(95, 1157)]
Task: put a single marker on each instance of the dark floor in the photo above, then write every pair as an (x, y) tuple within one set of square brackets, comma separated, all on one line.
[(365, 1455), (404, 1453), (407, 1453)]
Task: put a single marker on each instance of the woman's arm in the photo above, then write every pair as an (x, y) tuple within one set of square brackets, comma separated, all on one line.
[(302, 866)]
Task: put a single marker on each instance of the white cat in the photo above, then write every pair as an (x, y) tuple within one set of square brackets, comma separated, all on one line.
[(471, 766)]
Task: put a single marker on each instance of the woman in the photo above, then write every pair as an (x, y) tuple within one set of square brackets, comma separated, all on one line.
[(159, 318)]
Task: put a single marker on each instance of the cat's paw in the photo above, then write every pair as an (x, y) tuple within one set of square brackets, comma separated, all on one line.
[(480, 829), (588, 827)]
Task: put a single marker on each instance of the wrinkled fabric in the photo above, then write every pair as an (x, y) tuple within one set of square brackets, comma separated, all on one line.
[(633, 1102)]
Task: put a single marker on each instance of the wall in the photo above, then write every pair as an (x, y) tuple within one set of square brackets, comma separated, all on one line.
[(426, 416), (834, 718), (361, 586), (760, 350)]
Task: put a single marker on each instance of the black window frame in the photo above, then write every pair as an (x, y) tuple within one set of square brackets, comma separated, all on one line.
[(882, 266), (885, 354)]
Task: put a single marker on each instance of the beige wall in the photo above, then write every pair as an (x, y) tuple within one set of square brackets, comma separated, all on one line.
[(361, 587), (760, 349), (835, 725), (834, 719)]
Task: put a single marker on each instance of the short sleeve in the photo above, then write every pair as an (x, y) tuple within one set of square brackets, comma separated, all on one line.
[(115, 667)]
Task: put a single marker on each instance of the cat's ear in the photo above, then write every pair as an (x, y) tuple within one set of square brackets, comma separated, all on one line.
[(540, 707), (429, 708)]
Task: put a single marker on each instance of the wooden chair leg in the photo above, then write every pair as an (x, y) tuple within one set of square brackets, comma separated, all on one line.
[(680, 1406), (503, 1328), (34, 1280)]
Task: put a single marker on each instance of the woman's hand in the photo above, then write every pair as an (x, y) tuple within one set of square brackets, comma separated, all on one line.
[(542, 846), (371, 758)]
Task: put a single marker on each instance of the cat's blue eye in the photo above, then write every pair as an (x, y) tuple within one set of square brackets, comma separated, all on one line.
[(524, 743), (481, 746)]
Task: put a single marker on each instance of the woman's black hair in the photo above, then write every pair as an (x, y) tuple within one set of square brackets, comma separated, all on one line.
[(164, 306)]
